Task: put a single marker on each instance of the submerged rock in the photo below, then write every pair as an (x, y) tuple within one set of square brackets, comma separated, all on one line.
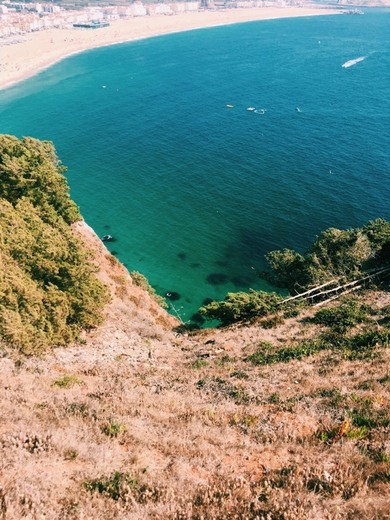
[(217, 278), (173, 296)]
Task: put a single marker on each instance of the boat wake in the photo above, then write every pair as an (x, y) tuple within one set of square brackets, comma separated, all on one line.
[(350, 63)]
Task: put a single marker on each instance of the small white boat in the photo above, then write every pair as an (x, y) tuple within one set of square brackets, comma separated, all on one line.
[(251, 109), (350, 63)]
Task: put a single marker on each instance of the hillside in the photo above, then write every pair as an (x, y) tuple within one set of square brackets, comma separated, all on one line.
[(276, 418)]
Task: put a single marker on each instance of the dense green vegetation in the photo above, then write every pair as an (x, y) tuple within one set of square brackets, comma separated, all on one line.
[(344, 316), (48, 289), (361, 346), (30, 168), (340, 255), (241, 306), (334, 254)]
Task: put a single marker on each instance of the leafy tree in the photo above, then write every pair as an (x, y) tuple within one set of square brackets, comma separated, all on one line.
[(48, 287), (335, 253), (289, 268), (338, 253), (378, 233), (30, 168)]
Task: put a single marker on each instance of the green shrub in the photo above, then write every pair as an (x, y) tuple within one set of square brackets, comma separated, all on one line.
[(241, 306), (267, 354), (364, 344), (199, 363), (141, 281), (340, 318), (359, 346), (71, 454), (113, 429), (272, 322), (357, 434), (67, 381), (335, 255), (115, 486), (293, 308)]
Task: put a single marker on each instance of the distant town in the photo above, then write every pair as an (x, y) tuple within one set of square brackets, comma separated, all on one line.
[(18, 18)]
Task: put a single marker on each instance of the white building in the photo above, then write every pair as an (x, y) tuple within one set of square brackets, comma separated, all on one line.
[(138, 9)]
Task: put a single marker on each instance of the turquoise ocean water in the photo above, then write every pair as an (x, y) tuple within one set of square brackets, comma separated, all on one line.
[(195, 193)]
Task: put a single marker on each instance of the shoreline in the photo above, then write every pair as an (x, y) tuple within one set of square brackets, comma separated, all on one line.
[(38, 51)]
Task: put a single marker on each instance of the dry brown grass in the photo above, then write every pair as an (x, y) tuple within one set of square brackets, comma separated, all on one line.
[(137, 422)]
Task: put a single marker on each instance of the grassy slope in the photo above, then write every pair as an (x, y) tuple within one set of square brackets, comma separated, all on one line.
[(138, 422)]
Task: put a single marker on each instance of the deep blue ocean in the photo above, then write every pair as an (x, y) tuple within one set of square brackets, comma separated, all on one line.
[(194, 192)]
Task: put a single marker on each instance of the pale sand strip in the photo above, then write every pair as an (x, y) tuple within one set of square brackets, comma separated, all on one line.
[(41, 49)]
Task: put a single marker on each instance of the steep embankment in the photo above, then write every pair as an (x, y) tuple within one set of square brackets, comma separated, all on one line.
[(283, 418), (137, 421)]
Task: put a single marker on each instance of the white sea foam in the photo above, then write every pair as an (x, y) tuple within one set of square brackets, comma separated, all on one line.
[(350, 63)]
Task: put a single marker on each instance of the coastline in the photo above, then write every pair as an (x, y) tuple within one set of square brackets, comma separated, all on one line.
[(39, 50)]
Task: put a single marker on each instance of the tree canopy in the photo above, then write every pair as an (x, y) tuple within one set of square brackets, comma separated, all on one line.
[(30, 168), (48, 287), (335, 253)]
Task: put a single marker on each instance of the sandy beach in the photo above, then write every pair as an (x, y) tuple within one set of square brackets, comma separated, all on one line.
[(33, 52)]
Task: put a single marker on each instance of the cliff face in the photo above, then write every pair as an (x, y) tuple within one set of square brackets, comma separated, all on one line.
[(132, 312)]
